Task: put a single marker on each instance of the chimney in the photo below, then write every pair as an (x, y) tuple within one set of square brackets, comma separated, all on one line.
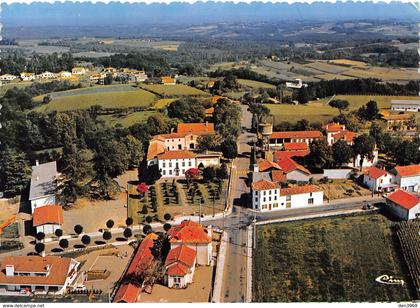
[(255, 168), (10, 270), (37, 162)]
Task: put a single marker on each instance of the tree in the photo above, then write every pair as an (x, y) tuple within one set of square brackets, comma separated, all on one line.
[(303, 95), (363, 147), (340, 104), (39, 247), (320, 154), (144, 210), (230, 148), (209, 173), (109, 223), (222, 172), (15, 172), (64, 243), (167, 216), (129, 221), (149, 219), (227, 119), (208, 142), (78, 229), (127, 233), (147, 229), (40, 236), (187, 109), (342, 153), (134, 150), (166, 227), (369, 112), (107, 235), (58, 232), (86, 239)]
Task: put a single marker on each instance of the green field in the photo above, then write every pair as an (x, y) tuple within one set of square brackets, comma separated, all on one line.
[(328, 259), (134, 98), (255, 84), (319, 111), (127, 120), (173, 90), (162, 103)]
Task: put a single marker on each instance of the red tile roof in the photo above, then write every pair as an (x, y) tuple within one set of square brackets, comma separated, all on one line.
[(48, 214), (403, 199), (407, 171), (296, 146), (288, 165), (180, 260), (334, 127), (278, 176), (280, 155), (167, 79), (297, 190), (345, 135), (176, 154), (155, 148), (266, 164), (375, 173), (59, 270), (264, 185), (189, 232), (196, 128), (128, 292), (309, 134)]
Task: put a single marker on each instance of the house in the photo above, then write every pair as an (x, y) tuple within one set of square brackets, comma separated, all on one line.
[(332, 129), (143, 259), (64, 75), (294, 171), (405, 105), (267, 165), (269, 196), (400, 122), (278, 139), (176, 163), (27, 76), (167, 80), (43, 185), (180, 266), (97, 77), (404, 205), (38, 275), (7, 77), (407, 177), (198, 129), (47, 75), (79, 71), (135, 75), (194, 236), (110, 70), (48, 218), (210, 84), (379, 180), (208, 159), (296, 85)]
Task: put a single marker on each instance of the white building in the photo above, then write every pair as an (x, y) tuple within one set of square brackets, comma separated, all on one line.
[(48, 218), (176, 163), (407, 177), (47, 75), (180, 267), (404, 205), (64, 74), (278, 139), (27, 76), (79, 71), (38, 275), (7, 77), (379, 180), (43, 185), (195, 236), (296, 85), (405, 105), (269, 196)]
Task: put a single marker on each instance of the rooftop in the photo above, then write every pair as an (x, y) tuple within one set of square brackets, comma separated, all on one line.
[(405, 102), (375, 173), (58, 270), (180, 260), (264, 185), (180, 154), (280, 155), (266, 164), (407, 171), (297, 190), (296, 146), (48, 214), (189, 232), (155, 148), (334, 127), (288, 165), (403, 199), (43, 180), (345, 135), (195, 128), (297, 134)]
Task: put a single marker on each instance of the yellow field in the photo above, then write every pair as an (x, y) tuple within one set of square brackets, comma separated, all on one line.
[(173, 90), (255, 84), (136, 98), (328, 76), (319, 111), (162, 103), (348, 62), (128, 120), (386, 74)]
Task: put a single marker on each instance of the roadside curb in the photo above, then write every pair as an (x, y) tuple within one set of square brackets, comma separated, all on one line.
[(220, 267), (250, 240)]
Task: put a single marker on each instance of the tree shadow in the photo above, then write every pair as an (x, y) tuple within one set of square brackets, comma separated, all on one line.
[(79, 246), (121, 239), (99, 242), (57, 249)]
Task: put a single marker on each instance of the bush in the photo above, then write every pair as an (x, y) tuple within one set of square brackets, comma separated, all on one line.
[(40, 236), (128, 233), (107, 235), (166, 227), (86, 239), (129, 221), (78, 229), (144, 209), (39, 247), (64, 243), (149, 219), (58, 232), (167, 216), (109, 223), (147, 229)]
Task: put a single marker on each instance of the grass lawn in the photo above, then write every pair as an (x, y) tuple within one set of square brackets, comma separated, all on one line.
[(174, 90), (129, 119), (118, 99), (318, 111), (163, 102), (255, 84), (336, 189), (7, 86), (328, 259)]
